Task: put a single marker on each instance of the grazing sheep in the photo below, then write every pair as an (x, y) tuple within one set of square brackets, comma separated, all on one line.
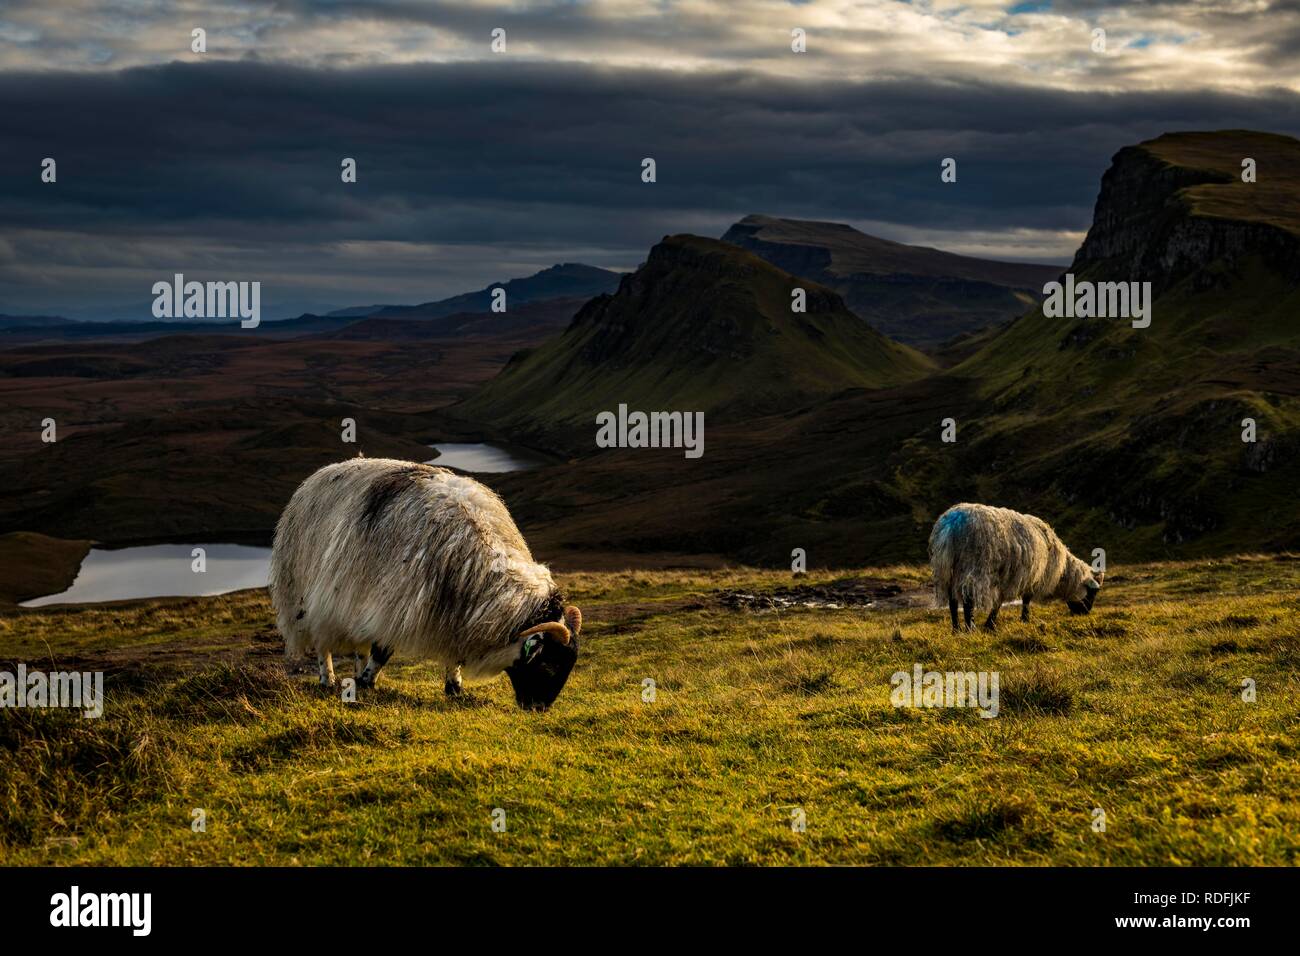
[(986, 555), (397, 557)]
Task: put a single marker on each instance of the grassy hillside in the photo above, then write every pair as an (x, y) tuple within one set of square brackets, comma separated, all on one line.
[(702, 326), (1135, 709)]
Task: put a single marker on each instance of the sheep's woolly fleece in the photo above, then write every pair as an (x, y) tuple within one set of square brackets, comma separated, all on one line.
[(423, 560), (993, 555)]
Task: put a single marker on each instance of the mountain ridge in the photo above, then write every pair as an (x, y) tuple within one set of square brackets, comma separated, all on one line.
[(914, 294), (563, 280), (702, 325)]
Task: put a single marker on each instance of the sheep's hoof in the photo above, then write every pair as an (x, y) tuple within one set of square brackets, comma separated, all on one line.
[(990, 626)]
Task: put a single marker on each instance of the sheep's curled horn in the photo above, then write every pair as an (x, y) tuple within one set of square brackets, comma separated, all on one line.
[(562, 631)]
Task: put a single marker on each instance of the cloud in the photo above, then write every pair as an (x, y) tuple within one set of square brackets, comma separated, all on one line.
[(1219, 44), (474, 170)]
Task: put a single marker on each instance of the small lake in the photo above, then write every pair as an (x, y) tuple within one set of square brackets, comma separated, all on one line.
[(484, 458), (162, 570)]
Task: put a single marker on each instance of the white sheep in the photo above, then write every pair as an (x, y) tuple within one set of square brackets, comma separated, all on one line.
[(984, 556), (397, 557)]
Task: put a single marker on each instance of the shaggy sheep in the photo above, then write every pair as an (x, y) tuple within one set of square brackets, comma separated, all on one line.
[(397, 557), (986, 555)]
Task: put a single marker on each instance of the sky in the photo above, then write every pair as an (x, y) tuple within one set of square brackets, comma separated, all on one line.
[(476, 166)]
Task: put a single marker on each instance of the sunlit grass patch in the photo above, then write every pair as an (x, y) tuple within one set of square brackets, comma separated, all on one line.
[(689, 733)]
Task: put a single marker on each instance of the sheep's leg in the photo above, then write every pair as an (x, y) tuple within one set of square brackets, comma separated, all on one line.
[(358, 664), (452, 683), (968, 611), (378, 658), (952, 611), (325, 665), (1024, 608), (991, 624)]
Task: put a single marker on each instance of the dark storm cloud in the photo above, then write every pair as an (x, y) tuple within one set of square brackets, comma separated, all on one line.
[(520, 164)]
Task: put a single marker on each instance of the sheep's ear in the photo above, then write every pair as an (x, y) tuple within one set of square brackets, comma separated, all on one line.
[(573, 617)]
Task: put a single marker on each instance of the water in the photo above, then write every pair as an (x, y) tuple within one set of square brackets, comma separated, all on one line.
[(483, 458), (162, 570)]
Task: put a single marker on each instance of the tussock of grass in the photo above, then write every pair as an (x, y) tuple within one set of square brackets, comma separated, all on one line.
[(63, 774), (315, 732), (811, 682), (1036, 693), (1027, 642), (991, 819), (226, 692)]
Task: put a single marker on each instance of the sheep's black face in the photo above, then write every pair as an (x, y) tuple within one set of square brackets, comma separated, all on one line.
[(539, 673), (1084, 606)]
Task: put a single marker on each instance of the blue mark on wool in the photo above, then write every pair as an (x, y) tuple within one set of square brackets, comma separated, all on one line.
[(953, 522)]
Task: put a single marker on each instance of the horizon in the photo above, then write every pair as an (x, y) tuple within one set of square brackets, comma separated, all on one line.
[(112, 313)]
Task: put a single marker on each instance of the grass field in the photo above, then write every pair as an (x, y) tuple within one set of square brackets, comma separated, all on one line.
[(1136, 710)]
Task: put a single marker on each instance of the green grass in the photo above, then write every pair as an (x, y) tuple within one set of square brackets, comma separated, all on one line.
[(1135, 709)]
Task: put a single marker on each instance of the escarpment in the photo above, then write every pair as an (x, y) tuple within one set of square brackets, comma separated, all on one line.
[(1178, 208)]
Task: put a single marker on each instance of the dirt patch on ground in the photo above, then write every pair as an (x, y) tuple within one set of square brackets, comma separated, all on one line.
[(876, 593), (133, 664)]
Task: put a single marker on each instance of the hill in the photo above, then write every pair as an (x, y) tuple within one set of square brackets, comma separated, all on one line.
[(33, 321), (701, 326), (541, 316), (913, 294), (567, 280)]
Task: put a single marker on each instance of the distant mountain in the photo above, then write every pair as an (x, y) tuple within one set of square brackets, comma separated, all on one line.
[(560, 283), (33, 321), (541, 315), (567, 280), (701, 326), (273, 309), (356, 311), (66, 329), (912, 294)]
